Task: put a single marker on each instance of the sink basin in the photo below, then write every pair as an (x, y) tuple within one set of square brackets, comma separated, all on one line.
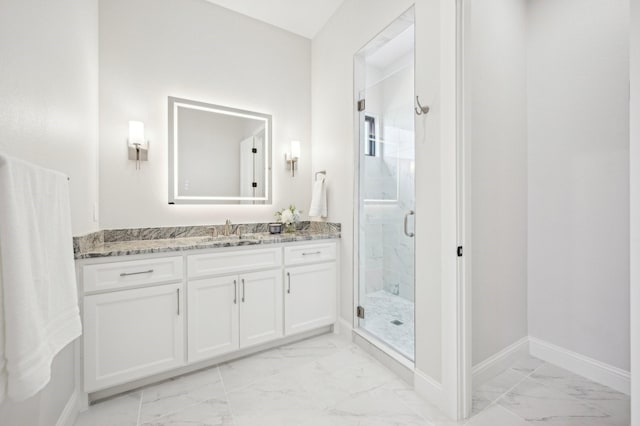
[(223, 239)]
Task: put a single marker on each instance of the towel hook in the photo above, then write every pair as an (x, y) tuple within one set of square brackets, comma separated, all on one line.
[(321, 172), (421, 109)]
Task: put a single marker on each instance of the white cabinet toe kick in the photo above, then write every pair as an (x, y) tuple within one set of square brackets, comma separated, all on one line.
[(151, 317)]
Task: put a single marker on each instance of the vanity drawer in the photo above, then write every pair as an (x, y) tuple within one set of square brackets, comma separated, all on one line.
[(297, 255), (200, 265), (116, 275)]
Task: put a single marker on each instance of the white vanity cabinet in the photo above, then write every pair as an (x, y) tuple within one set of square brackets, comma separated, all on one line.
[(131, 334), (233, 312), (213, 318), (230, 312), (310, 289), (148, 314)]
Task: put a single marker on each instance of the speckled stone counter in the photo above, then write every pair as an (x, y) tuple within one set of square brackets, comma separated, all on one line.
[(121, 242)]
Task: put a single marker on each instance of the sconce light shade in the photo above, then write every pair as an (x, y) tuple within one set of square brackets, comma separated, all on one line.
[(295, 149), (138, 146), (136, 133), (292, 157)]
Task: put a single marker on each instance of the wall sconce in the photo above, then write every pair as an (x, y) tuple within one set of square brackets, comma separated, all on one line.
[(138, 146), (292, 157)]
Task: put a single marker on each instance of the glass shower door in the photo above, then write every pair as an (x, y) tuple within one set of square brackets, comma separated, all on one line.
[(387, 192)]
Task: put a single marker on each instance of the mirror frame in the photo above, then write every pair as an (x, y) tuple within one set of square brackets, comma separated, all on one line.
[(174, 198)]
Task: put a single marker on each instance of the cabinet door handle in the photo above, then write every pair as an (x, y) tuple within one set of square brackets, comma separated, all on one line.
[(243, 290), (235, 292), (178, 298), (126, 274), (309, 254), (289, 280)]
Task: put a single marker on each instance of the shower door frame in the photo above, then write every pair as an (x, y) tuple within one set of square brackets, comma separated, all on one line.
[(453, 393)]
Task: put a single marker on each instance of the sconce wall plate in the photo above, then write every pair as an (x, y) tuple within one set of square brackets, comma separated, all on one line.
[(291, 158), (138, 147)]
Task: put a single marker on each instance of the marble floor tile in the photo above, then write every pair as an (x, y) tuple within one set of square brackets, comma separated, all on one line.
[(121, 411), (214, 412), (536, 403), (179, 393), (276, 396), (612, 402), (527, 365), (242, 372), (326, 381), (309, 350), (496, 415), (370, 408), (329, 383), (405, 393), (488, 392)]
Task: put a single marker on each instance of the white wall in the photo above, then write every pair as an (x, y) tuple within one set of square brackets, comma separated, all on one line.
[(635, 211), (48, 93), (49, 116), (578, 131), (150, 50), (497, 130)]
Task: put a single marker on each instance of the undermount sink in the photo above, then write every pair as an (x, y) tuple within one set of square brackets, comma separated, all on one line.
[(225, 239)]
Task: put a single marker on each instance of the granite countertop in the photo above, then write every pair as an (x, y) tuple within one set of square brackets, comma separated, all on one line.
[(159, 240)]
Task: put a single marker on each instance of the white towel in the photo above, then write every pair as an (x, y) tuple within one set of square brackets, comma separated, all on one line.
[(319, 198), (38, 294)]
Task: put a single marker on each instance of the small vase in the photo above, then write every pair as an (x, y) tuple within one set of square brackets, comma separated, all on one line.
[(290, 228)]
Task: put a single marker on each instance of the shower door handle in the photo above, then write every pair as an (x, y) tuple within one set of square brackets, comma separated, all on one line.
[(406, 224)]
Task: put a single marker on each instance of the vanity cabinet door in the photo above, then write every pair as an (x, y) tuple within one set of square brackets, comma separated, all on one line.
[(213, 317), (309, 297), (132, 334), (260, 295)]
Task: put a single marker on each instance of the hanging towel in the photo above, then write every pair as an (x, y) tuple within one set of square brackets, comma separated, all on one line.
[(319, 198), (38, 294)]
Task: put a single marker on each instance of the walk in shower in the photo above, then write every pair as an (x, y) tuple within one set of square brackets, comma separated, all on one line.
[(384, 82)]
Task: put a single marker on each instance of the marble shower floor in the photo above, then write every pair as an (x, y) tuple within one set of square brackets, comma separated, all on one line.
[(328, 381), (381, 309)]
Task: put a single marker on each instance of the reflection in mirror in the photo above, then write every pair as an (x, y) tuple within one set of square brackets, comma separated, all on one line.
[(218, 155)]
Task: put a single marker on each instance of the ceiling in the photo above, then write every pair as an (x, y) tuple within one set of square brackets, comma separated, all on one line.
[(302, 17)]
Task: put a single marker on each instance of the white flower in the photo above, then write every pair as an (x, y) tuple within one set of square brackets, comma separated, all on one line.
[(287, 217)]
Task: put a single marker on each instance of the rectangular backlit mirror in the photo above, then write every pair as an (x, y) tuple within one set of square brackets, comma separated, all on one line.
[(218, 155)]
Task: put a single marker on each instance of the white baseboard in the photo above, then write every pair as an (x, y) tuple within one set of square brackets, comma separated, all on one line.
[(343, 328), (428, 389), (599, 372), (499, 362), (71, 410)]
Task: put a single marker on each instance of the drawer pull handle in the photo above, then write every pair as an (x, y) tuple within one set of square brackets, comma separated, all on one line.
[(310, 253), (178, 298), (126, 274), (289, 286), (235, 292), (243, 290)]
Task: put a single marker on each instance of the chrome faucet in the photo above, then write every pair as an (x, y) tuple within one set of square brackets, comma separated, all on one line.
[(227, 227)]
